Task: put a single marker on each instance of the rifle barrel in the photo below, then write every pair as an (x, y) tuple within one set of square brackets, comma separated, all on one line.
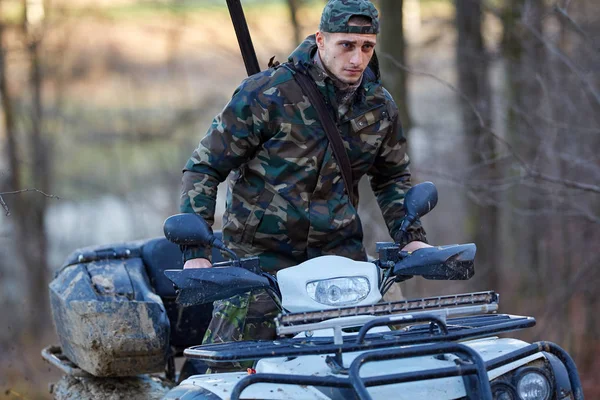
[(243, 36)]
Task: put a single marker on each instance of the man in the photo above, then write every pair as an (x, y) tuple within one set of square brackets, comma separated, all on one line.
[(287, 202)]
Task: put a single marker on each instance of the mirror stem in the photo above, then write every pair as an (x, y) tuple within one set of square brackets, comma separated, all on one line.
[(406, 223), (221, 246)]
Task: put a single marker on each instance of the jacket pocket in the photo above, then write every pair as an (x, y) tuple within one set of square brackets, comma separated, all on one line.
[(256, 215), (377, 114), (364, 135)]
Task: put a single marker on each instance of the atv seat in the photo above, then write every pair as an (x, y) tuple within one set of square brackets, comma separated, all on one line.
[(188, 324)]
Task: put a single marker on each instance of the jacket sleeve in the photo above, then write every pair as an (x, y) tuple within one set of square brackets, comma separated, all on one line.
[(390, 180), (231, 140)]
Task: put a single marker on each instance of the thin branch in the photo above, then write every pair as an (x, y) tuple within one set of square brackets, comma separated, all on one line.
[(477, 190), (489, 185), (472, 169), (482, 124), (3, 204), (528, 171), (437, 79), (586, 213), (51, 196), (589, 164), (586, 187), (583, 277), (565, 60), (563, 15), (553, 49), (31, 190), (554, 123)]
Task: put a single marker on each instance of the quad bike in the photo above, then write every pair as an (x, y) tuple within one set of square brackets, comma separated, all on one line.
[(120, 322)]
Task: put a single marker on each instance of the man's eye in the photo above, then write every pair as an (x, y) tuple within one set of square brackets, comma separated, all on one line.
[(346, 45)]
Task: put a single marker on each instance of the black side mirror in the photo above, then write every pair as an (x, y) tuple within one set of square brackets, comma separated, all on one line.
[(419, 200), (192, 230), (188, 229)]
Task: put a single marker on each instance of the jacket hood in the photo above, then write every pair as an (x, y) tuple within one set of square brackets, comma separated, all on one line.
[(304, 53)]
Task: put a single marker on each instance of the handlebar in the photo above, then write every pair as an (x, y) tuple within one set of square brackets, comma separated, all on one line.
[(228, 278)]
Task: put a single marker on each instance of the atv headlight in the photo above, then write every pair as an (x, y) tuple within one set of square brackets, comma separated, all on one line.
[(503, 391), (339, 291), (533, 385)]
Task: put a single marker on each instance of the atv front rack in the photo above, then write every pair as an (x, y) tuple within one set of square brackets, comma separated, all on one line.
[(468, 312), (436, 331)]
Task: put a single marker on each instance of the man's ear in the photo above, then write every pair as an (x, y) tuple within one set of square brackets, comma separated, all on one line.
[(320, 37)]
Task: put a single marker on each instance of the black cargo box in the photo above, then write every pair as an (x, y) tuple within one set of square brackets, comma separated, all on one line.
[(115, 312)]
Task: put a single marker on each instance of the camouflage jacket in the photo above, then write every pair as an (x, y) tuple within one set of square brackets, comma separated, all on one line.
[(287, 202)]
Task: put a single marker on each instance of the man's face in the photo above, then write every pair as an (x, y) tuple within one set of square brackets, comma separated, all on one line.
[(346, 55)]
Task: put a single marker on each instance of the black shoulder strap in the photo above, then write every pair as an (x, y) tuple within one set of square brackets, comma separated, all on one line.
[(309, 87)]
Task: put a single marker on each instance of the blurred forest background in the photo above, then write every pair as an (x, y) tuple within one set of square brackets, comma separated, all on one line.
[(103, 101)]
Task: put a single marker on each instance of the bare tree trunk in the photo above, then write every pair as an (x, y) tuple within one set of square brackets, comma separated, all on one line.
[(392, 45), (293, 6), (525, 56), (33, 240), (16, 207), (9, 122), (472, 62), (580, 147), (561, 250), (41, 169)]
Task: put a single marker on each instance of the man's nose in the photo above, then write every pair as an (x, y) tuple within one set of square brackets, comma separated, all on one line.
[(356, 58)]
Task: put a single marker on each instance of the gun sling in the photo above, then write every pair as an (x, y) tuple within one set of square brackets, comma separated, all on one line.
[(310, 89)]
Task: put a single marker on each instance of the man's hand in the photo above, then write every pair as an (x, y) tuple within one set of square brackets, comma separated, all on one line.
[(197, 263), (416, 245)]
